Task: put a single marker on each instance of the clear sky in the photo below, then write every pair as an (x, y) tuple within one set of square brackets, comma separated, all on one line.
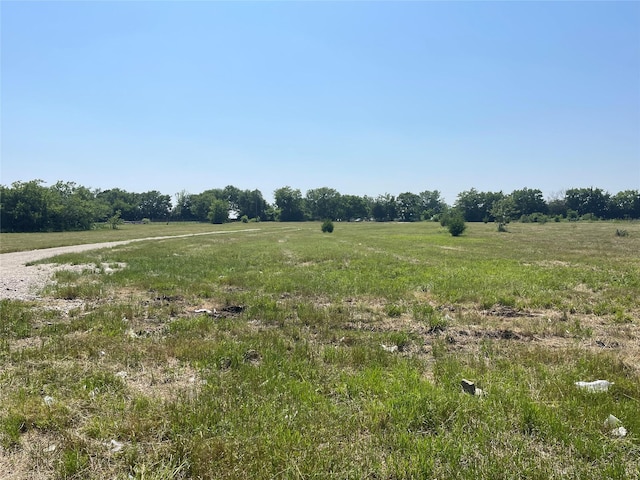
[(364, 97)]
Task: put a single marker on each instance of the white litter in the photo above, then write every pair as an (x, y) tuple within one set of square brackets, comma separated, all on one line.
[(48, 401), (115, 446), (203, 310), (615, 424), (612, 422), (595, 386), (619, 432), (392, 348), (122, 374)]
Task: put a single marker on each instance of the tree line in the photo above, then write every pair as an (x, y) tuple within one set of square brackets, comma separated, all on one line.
[(33, 207)]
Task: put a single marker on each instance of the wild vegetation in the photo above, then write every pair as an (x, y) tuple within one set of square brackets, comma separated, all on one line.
[(287, 353), (32, 207)]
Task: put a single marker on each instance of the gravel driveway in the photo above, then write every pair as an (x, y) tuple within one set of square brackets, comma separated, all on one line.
[(21, 282)]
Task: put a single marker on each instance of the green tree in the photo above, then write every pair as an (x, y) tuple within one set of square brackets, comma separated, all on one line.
[(384, 208), (25, 207), (528, 201), (625, 204), (182, 207), (201, 203), (586, 201), (154, 205), (218, 211), (476, 206), (324, 203), (252, 204), (79, 206), (432, 204), (409, 207), (503, 211), (114, 200), (290, 204), (354, 207)]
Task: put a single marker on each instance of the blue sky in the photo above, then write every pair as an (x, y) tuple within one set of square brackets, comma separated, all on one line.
[(364, 97)]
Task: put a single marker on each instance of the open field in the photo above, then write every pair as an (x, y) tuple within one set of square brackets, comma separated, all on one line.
[(327, 355), (17, 242)]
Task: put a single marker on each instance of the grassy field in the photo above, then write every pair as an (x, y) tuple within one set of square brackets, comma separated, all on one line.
[(328, 355), (16, 242)]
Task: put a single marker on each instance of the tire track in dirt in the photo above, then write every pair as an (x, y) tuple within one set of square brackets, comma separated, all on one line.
[(18, 281)]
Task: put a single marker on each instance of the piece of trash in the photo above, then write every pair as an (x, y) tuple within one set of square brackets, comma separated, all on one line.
[(115, 446), (392, 348), (50, 449), (619, 432), (595, 386), (102, 353), (122, 374), (470, 388), (131, 334), (615, 424), (203, 310), (48, 401), (612, 422)]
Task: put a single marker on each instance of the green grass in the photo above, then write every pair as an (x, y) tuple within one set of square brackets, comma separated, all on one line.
[(289, 379), (16, 242)]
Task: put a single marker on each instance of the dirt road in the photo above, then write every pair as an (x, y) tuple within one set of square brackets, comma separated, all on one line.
[(21, 282)]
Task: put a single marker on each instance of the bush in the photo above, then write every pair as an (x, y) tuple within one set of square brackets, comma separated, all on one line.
[(244, 219), (456, 226), (327, 226), (621, 233)]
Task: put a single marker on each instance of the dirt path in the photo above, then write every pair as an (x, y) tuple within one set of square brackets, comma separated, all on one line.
[(21, 282)]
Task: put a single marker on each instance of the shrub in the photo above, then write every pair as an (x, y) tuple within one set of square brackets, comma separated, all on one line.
[(327, 226), (621, 233), (244, 219), (456, 226), (115, 221)]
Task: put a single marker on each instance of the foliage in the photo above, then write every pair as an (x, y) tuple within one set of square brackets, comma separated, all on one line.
[(353, 207), (327, 226), (115, 221), (432, 204), (384, 208), (289, 204), (218, 211), (527, 202), (587, 201), (246, 202), (503, 211), (409, 207), (33, 207), (456, 225), (324, 203), (476, 206)]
